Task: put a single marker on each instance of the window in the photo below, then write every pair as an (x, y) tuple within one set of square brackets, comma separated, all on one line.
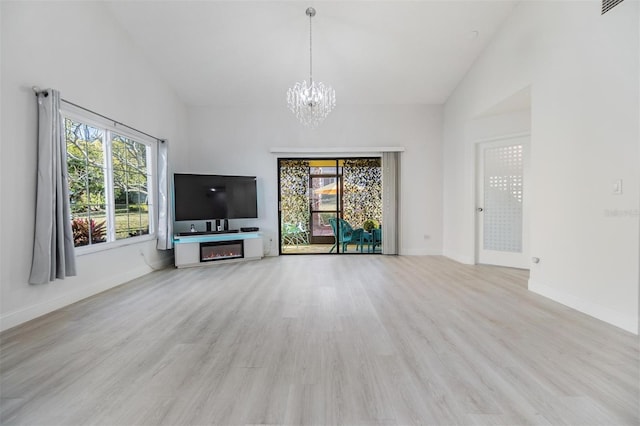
[(110, 182)]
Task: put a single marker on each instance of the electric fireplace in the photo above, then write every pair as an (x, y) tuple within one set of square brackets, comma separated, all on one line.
[(220, 250)]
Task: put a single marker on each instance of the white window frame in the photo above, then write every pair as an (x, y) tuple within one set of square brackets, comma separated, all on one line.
[(109, 127)]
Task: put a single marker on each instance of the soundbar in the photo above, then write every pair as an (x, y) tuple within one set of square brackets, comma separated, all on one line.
[(229, 231), (250, 229)]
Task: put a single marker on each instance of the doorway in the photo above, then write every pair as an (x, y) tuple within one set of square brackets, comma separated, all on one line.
[(501, 202), (330, 205), (325, 199)]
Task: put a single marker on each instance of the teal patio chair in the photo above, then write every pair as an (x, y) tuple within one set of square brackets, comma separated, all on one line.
[(376, 239), (346, 235)]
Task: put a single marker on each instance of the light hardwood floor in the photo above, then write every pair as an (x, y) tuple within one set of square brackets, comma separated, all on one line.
[(320, 340)]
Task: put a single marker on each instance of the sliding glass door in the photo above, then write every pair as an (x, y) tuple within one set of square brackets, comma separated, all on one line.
[(330, 205)]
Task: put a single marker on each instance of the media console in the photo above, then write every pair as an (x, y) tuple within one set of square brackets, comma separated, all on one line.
[(200, 249)]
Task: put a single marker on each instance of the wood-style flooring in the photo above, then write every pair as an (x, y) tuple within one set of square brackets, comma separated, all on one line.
[(355, 340)]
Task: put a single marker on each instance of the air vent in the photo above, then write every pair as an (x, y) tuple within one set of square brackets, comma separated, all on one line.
[(607, 5)]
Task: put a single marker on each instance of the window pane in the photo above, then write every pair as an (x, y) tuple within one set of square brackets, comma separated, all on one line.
[(503, 170), (90, 227), (85, 164), (131, 186), (324, 195), (321, 224), (95, 190)]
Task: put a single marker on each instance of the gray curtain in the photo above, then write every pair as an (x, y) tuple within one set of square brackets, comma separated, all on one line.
[(165, 221), (390, 201), (53, 252)]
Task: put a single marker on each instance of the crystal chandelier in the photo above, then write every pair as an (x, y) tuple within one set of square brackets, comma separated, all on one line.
[(311, 102)]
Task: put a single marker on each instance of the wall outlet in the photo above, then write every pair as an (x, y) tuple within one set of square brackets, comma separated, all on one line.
[(617, 187)]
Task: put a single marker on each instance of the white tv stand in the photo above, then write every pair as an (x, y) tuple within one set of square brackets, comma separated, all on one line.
[(215, 248)]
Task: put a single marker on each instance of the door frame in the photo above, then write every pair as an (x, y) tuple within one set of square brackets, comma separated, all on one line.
[(521, 261), (326, 239), (338, 155)]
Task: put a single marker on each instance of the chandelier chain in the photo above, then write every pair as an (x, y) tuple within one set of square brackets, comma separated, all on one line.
[(310, 50)]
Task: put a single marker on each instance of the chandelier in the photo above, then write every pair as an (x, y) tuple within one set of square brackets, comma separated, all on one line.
[(311, 102)]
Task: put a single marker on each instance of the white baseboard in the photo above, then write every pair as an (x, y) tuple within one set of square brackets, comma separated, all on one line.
[(12, 319), (466, 260), (420, 252), (627, 323)]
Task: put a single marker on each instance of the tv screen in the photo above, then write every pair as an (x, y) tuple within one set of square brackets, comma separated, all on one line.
[(208, 197)]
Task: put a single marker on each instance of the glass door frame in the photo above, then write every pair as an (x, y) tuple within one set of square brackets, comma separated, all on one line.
[(337, 212), (339, 202)]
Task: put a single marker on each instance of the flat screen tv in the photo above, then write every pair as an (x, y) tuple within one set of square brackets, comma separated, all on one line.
[(210, 197)]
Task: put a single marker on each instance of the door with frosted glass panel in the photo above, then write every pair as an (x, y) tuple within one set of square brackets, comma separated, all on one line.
[(501, 209)]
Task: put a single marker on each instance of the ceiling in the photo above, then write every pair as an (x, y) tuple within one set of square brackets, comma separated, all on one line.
[(238, 53)]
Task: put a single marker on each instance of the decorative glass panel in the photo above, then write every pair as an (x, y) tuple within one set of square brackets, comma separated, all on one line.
[(362, 198), (294, 200), (503, 169)]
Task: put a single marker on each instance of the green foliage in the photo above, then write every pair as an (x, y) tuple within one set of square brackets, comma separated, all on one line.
[(86, 168), (139, 208), (131, 224), (294, 196), (370, 225), (129, 160), (362, 198), (83, 228)]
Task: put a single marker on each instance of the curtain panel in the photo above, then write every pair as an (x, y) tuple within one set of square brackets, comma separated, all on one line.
[(165, 221), (390, 185), (53, 250)]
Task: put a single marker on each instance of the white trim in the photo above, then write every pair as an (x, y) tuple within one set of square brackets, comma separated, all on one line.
[(502, 137), (94, 248), (329, 150), (420, 252), (100, 121), (628, 323), (109, 194), (465, 260), (15, 318), (109, 130)]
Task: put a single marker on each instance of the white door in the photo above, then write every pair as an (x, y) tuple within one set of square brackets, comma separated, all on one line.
[(501, 205)]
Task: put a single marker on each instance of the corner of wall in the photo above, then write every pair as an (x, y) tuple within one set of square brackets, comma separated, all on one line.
[(464, 259), (625, 322)]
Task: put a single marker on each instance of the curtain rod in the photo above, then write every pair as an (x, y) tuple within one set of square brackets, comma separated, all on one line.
[(37, 90)]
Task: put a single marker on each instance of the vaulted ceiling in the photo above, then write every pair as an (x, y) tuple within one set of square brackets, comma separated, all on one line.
[(237, 53)]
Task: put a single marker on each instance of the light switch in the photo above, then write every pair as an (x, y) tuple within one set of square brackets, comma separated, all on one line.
[(617, 187)]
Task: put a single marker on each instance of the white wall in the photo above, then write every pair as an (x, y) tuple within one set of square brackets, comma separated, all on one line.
[(238, 141), (74, 47), (583, 72)]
